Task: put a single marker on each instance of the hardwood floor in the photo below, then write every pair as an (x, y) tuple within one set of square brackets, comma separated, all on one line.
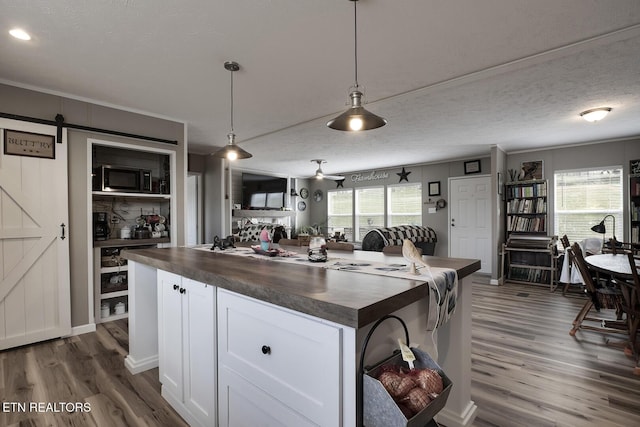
[(526, 371), (85, 368)]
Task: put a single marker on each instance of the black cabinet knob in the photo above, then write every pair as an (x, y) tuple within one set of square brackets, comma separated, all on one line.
[(266, 349), (183, 290), (175, 287)]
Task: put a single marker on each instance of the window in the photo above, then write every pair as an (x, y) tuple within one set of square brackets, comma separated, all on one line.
[(340, 212), (404, 204), (582, 199), (369, 210)]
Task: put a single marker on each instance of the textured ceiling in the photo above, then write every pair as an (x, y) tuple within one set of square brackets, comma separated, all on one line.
[(453, 78)]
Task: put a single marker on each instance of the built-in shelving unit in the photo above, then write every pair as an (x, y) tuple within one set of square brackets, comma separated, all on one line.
[(148, 211), (111, 281)]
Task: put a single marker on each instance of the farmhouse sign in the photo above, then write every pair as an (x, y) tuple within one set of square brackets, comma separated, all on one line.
[(29, 144)]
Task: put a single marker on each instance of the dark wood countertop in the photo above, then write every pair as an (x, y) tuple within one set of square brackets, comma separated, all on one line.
[(354, 300)]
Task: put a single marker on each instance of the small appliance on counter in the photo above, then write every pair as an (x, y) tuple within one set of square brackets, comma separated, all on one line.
[(101, 228), (125, 233)]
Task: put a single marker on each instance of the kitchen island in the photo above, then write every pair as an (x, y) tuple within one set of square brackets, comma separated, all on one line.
[(328, 311)]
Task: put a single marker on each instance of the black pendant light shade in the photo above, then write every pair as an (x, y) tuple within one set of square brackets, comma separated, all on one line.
[(356, 118), (231, 151)]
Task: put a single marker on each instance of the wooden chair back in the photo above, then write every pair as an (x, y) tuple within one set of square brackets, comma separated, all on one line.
[(565, 242), (288, 242), (576, 256), (616, 247), (395, 250), (340, 246)]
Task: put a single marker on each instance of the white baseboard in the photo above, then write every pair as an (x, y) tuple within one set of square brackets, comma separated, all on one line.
[(137, 366), (83, 329), (495, 282), (464, 419)]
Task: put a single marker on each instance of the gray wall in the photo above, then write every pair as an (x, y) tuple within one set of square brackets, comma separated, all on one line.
[(14, 100), (439, 220), (583, 156)]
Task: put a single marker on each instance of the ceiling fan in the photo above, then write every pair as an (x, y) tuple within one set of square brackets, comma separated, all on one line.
[(321, 175)]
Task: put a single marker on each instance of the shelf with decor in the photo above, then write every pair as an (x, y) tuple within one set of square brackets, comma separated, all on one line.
[(111, 279)]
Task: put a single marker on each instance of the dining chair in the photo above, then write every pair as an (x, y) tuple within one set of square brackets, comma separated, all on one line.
[(598, 297), (615, 246), (630, 288), (395, 250), (340, 246), (288, 242), (567, 261)]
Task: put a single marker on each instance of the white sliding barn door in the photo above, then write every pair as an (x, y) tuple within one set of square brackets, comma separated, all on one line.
[(34, 256), (470, 220)]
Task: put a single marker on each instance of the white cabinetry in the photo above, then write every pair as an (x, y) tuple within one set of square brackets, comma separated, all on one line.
[(187, 355), (276, 367)]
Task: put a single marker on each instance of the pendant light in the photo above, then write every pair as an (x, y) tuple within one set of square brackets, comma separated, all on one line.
[(231, 151), (356, 118)]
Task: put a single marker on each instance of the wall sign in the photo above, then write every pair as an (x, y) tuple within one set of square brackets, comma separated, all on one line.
[(634, 166), (373, 176), (19, 143)]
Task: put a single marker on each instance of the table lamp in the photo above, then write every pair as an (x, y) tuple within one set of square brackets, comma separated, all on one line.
[(600, 228)]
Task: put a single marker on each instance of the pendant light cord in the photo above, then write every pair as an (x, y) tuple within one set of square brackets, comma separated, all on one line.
[(355, 38), (231, 101)]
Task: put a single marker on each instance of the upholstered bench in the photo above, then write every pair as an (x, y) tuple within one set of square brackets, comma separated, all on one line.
[(422, 237)]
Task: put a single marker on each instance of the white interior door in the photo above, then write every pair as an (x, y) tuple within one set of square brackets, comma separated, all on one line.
[(470, 220), (35, 302)]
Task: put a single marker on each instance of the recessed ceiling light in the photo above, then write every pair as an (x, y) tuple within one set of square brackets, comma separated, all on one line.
[(595, 114), (20, 34)]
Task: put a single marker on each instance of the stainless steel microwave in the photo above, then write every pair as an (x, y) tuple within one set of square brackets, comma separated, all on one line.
[(113, 178)]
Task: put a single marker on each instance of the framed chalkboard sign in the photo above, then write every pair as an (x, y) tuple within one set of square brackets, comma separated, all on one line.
[(634, 166)]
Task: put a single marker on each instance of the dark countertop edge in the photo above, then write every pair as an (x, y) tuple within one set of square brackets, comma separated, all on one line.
[(129, 242), (348, 316)]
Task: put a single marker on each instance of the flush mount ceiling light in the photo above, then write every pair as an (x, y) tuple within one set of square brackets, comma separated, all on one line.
[(595, 114), (231, 151), (356, 118), (20, 34), (320, 174)]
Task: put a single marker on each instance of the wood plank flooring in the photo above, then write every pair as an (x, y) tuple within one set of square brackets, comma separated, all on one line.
[(526, 371), (85, 368)]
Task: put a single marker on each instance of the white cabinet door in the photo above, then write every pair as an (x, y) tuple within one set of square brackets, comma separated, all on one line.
[(199, 326), (285, 364), (170, 351)]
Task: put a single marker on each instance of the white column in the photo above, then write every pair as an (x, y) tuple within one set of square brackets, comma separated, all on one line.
[(454, 357), (143, 318)]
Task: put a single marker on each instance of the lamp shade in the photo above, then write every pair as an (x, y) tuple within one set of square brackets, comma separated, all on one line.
[(231, 151), (356, 117), (599, 228)]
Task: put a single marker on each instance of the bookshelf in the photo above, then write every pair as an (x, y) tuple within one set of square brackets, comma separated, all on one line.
[(526, 207), (529, 255), (634, 206)]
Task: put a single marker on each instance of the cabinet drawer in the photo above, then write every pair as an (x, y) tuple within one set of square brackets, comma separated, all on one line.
[(291, 357)]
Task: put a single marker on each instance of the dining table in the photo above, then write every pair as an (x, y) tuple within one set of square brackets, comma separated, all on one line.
[(618, 265)]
